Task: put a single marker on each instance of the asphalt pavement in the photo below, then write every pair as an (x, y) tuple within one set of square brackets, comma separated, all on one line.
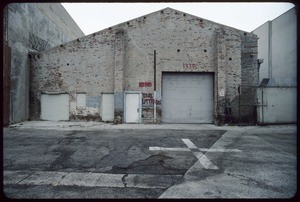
[(100, 160)]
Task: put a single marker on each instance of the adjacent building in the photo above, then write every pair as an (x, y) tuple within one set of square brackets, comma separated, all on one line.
[(164, 67), (29, 27), (277, 54)]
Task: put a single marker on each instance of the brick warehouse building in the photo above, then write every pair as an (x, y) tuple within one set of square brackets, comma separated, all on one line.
[(164, 67)]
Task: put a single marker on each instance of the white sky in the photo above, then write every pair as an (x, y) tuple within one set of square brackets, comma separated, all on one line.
[(93, 17)]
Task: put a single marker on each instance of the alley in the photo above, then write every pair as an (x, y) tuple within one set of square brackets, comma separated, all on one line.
[(147, 161)]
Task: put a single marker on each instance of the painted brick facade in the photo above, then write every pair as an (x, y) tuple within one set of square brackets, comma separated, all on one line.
[(121, 59)]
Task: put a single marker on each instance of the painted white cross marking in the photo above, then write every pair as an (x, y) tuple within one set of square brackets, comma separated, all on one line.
[(207, 164), (200, 156)]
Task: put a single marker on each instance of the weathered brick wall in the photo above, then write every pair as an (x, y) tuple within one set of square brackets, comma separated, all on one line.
[(33, 27), (241, 105), (123, 58), (249, 79), (83, 65)]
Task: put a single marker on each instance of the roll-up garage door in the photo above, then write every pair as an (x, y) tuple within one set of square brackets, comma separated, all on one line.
[(187, 98), (55, 107)]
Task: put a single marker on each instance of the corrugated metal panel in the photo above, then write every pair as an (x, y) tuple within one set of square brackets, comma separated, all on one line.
[(187, 98), (55, 107)]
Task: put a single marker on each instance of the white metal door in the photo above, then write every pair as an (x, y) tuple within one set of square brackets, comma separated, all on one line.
[(187, 98), (108, 107), (55, 107), (132, 108)]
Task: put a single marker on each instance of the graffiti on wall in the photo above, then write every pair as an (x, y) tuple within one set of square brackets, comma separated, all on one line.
[(148, 100)]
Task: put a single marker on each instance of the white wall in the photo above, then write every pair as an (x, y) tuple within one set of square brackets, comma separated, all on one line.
[(277, 45), (263, 49), (284, 46)]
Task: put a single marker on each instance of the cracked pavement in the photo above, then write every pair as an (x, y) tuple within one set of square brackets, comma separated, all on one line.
[(116, 162)]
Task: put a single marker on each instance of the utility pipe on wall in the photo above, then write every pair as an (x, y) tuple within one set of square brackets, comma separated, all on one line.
[(154, 91)]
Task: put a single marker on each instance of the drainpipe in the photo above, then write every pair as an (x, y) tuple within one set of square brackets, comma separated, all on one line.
[(270, 50), (239, 91), (259, 62), (154, 92), (262, 105)]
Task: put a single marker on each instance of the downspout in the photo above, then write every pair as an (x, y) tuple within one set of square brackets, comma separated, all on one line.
[(239, 91), (262, 105), (270, 50), (154, 91), (259, 62)]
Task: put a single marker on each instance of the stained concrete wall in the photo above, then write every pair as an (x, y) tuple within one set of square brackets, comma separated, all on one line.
[(121, 58), (33, 27), (277, 105), (277, 45)]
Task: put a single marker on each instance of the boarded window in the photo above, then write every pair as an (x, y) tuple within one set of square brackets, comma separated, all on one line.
[(108, 107), (81, 100), (55, 107)]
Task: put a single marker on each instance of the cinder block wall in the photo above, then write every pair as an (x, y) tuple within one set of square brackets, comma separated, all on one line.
[(118, 59)]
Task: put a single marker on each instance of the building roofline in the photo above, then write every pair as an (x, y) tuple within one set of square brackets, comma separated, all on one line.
[(294, 8), (116, 25), (119, 24)]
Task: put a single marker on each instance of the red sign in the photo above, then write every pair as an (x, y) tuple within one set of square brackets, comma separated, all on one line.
[(145, 84)]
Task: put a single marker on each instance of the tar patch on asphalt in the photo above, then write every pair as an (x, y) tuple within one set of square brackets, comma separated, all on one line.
[(176, 158)]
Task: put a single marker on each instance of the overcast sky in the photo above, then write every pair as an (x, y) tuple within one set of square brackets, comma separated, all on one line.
[(93, 17)]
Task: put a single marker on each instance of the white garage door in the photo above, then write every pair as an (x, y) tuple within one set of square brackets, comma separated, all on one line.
[(187, 98), (55, 107)]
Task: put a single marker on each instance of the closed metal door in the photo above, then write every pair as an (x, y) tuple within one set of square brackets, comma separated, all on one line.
[(132, 108), (187, 98)]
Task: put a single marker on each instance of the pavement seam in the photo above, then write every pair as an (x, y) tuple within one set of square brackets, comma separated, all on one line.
[(216, 142), (197, 162), (125, 183), (61, 179), (26, 177), (278, 148), (124, 180)]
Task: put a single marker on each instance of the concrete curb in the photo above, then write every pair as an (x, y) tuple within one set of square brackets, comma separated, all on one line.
[(86, 126)]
